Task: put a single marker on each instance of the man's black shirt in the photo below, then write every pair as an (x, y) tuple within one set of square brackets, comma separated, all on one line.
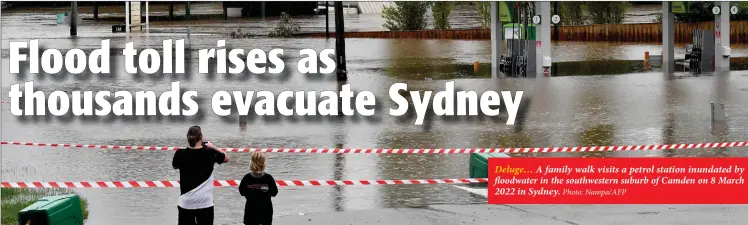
[(195, 166)]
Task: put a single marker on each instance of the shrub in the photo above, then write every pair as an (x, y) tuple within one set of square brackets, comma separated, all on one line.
[(697, 12), (606, 12), (405, 16), (572, 13), (286, 27), (238, 34), (440, 11), (484, 13)]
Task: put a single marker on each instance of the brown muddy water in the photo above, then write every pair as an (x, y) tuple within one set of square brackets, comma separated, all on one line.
[(630, 108)]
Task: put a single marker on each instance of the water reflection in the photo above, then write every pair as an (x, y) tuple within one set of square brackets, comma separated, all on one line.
[(598, 131), (597, 135), (738, 63), (340, 139), (507, 140), (598, 67), (671, 90), (243, 123), (504, 140), (338, 167), (444, 69), (720, 127), (407, 61), (401, 166)]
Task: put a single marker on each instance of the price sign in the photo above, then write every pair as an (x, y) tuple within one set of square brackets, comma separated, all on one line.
[(556, 19)]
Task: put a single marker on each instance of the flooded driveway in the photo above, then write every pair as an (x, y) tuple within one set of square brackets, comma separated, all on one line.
[(634, 108)]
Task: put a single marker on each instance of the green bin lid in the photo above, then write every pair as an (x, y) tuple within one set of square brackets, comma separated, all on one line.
[(492, 155), (47, 202)]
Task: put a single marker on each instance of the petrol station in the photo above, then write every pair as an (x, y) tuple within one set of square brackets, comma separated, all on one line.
[(521, 47)]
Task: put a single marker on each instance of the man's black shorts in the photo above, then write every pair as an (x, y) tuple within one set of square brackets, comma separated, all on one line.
[(195, 216)]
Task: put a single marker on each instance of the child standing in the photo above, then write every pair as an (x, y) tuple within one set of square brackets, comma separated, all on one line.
[(258, 187)]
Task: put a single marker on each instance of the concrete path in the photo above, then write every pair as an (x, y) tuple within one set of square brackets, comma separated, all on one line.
[(484, 214)]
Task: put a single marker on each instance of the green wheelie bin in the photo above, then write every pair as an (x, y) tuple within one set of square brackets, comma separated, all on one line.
[(479, 163), (53, 210)]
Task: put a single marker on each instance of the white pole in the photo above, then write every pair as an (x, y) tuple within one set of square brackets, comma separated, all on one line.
[(668, 41), (147, 19), (497, 46), (544, 36), (127, 17), (723, 39)]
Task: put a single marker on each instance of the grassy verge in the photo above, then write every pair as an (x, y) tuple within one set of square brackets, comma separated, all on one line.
[(15, 199)]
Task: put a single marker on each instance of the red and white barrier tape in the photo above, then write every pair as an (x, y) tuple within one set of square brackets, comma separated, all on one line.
[(412, 150), (233, 183)]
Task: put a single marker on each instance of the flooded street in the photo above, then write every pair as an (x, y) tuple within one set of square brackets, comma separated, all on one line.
[(628, 109)]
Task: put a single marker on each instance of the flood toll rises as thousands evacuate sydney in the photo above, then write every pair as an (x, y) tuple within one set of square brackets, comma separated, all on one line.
[(175, 102)]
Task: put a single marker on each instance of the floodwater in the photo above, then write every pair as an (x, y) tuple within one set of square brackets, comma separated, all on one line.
[(633, 108)]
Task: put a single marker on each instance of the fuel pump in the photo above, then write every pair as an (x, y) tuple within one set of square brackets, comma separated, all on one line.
[(700, 54), (505, 63), (692, 58), (522, 64), (520, 58), (521, 45)]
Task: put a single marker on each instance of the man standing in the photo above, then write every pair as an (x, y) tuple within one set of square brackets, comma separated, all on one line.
[(195, 165)]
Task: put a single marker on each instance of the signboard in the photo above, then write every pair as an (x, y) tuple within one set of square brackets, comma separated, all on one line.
[(678, 7), (118, 28), (511, 33), (505, 13), (717, 32), (556, 19)]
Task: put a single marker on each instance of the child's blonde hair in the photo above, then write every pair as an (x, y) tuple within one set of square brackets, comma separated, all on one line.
[(257, 165)]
